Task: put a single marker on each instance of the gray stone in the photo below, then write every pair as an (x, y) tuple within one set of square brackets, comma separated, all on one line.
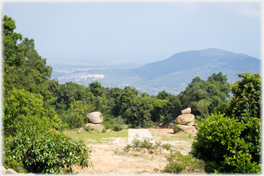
[(171, 125), (95, 117)]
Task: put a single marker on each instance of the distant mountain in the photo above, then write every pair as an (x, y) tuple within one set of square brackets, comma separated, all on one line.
[(172, 74)]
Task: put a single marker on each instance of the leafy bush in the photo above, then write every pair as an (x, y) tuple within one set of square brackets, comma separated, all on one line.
[(109, 122), (107, 125), (178, 162), (103, 130), (44, 152), (117, 127), (231, 143), (75, 115), (176, 128), (21, 106), (166, 146), (88, 129), (174, 167)]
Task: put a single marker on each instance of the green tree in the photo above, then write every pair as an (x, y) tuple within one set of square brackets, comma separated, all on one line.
[(21, 106), (202, 107), (230, 142), (96, 88), (215, 90), (23, 67), (29, 117)]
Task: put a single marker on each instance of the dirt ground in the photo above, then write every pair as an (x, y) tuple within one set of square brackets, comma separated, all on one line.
[(110, 158)]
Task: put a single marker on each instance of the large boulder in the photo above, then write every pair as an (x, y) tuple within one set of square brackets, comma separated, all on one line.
[(189, 129), (97, 127), (186, 119), (186, 111), (95, 117)]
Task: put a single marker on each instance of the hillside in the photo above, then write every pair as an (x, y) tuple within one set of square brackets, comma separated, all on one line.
[(172, 74)]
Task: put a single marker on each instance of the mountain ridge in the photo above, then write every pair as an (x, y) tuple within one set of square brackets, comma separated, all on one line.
[(176, 72)]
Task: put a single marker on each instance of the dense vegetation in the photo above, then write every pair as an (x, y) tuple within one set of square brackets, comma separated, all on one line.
[(37, 109), (230, 142), (32, 142)]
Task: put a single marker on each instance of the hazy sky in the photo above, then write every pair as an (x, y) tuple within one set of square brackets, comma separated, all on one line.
[(136, 32)]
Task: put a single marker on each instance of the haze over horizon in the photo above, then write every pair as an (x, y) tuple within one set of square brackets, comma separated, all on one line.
[(136, 32)]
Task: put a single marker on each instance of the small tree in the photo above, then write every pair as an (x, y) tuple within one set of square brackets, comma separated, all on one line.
[(202, 107)]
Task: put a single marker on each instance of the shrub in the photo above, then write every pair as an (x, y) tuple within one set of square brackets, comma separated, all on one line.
[(178, 162), (107, 125), (174, 167), (176, 128), (166, 146), (103, 130), (117, 127), (44, 152), (88, 129), (231, 144)]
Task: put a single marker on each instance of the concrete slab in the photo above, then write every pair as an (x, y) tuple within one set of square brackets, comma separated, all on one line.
[(140, 134)]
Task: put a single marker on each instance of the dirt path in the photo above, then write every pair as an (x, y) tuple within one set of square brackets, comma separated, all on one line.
[(107, 159)]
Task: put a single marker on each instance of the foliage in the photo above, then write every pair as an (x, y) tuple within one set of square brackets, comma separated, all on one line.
[(44, 152), (117, 127), (178, 162), (203, 96), (176, 128), (87, 128), (29, 115), (231, 143), (174, 167), (23, 67), (166, 146), (109, 121), (20, 107), (246, 102), (104, 130), (202, 106), (136, 143), (75, 116)]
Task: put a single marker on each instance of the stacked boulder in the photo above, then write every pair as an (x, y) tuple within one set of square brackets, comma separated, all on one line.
[(95, 118), (186, 121), (186, 118)]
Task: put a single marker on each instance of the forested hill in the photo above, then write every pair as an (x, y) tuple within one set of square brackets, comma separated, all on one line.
[(176, 72), (190, 60)]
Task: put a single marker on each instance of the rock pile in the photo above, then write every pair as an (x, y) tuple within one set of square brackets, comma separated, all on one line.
[(95, 118), (186, 118)]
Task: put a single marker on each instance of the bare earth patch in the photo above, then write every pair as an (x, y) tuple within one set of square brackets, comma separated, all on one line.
[(107, 159)]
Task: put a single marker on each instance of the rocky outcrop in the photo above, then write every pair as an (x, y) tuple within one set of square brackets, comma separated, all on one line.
[(95, 117), (186, 118)]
